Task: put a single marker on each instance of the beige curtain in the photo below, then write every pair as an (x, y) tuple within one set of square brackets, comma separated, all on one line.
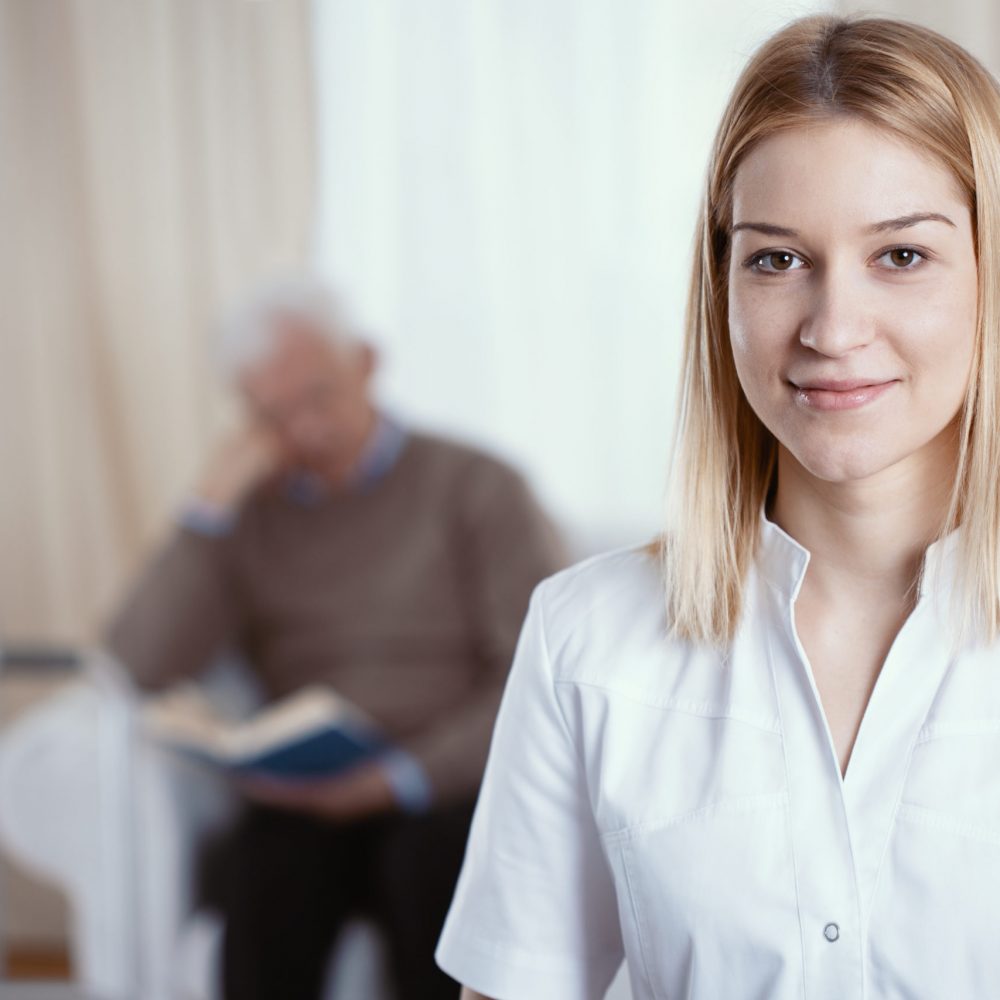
[(974, 24), (156, 158)]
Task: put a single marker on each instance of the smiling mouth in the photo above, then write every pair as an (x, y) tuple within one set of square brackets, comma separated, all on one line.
[(840, 394)]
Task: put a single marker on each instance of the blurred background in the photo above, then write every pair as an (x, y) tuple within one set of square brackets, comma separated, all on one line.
[(503, 191)]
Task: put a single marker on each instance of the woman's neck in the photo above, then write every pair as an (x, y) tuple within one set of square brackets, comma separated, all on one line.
[(866, 538)]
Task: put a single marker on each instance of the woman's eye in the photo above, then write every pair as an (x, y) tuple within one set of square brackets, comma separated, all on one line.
[(775, 261), (902, 258)]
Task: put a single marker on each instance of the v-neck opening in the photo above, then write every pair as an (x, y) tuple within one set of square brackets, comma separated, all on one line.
[(864, 723)]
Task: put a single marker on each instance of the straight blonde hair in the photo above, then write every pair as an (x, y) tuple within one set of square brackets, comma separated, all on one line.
[(925, 89)]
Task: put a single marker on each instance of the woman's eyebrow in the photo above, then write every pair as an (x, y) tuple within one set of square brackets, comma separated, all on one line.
[(886, 225), (762, 227), (905, 221)]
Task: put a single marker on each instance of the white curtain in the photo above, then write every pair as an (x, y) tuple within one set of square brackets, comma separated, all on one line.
[(507, 195), (157, 157)]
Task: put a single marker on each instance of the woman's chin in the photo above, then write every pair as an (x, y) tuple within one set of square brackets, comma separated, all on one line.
[(844, 465)]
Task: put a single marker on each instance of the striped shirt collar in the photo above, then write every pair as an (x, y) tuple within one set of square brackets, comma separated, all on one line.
[(381, 452)]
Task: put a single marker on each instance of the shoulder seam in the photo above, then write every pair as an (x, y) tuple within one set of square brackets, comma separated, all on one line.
[(566, 576)]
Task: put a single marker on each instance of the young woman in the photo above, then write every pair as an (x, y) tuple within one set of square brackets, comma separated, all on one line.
[(783, 781)]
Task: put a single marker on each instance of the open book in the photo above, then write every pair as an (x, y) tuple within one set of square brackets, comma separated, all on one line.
[(309, 734)]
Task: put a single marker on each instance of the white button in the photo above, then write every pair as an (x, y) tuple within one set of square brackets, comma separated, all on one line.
[(831, 932)]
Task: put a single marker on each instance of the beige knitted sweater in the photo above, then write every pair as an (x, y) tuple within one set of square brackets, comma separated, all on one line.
[(407, 598)]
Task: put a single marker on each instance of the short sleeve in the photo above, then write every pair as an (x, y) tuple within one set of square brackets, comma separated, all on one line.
[(534, 913)]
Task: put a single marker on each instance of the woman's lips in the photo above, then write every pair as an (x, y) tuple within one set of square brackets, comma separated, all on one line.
[(839, 394)]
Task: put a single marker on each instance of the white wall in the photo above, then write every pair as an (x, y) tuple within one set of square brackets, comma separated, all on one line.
[(508, 195)]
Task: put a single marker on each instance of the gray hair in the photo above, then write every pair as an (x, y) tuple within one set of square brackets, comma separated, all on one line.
[(249, 332)]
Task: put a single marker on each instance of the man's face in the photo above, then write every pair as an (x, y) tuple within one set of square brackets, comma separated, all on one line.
[(314, 395)]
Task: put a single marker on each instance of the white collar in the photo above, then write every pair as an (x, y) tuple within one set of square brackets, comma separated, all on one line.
[(782, 561)]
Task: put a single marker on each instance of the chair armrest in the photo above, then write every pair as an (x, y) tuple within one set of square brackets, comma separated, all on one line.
[(63, 782), (113, 820)]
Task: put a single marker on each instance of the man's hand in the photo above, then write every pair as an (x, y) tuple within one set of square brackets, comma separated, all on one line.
[(357, 794), (241, 460)]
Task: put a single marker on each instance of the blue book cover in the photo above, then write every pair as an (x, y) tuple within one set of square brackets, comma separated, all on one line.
[(312, 755), (310, 734)]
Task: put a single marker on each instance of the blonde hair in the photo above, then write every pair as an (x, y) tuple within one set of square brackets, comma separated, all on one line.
[(914, 83)]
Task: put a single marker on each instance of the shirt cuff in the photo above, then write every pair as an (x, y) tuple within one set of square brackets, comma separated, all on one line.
[(206, 519), (408, 779)]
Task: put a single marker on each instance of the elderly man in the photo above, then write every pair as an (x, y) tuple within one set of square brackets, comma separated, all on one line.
[(331, 545)]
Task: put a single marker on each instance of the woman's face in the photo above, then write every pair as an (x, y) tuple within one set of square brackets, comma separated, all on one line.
[(852, 298)]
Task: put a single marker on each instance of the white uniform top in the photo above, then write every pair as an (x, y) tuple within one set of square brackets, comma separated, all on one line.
[(657, 801)]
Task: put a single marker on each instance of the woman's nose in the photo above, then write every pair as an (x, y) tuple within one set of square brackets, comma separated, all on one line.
[(838, 318)]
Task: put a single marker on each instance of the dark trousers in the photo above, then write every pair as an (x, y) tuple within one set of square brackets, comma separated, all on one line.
[(290, 882)]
